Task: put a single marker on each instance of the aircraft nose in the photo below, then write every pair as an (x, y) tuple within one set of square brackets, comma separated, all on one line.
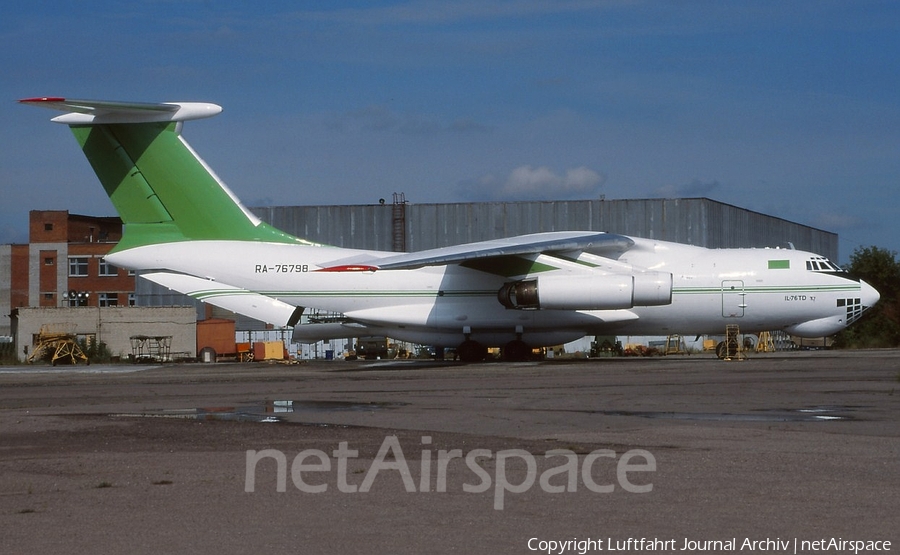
[(868, 294)]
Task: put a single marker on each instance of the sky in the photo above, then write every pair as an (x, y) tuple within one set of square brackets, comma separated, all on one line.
[(787, 108)]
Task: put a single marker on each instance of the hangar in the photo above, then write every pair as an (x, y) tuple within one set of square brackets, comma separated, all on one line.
[(402, 226)]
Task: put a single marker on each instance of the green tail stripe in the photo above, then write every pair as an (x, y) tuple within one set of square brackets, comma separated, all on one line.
[(162, 191)]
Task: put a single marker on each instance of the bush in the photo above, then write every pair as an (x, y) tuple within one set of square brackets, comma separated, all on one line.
[(880, 325), (97, 351)]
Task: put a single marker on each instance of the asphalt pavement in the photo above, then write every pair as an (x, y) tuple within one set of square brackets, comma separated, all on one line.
[(783, 453)]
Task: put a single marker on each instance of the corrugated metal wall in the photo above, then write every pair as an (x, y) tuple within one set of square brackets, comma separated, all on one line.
[(698, 221)]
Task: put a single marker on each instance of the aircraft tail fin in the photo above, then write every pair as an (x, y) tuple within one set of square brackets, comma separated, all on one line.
[(161, 188)]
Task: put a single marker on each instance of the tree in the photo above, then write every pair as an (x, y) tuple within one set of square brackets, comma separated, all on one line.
[(880, 325)]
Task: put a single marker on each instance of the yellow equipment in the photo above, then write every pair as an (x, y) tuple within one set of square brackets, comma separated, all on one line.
[(54, 339), (765, 344)]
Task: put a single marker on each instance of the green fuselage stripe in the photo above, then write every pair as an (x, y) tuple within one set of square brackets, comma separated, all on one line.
[(765, 289), (212, 293)]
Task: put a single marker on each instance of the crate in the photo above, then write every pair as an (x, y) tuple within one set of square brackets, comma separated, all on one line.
[(268, 350)]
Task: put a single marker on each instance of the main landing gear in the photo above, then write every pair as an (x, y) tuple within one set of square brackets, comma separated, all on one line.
[(517, 351), (473, 351)]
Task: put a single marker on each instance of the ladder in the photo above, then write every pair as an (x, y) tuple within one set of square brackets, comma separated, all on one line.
[(398, 223), (734, 350), (675, 345)]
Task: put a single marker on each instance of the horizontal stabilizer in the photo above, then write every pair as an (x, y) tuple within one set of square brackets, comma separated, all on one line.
[(96, 112), (235, 299), (556, 241)]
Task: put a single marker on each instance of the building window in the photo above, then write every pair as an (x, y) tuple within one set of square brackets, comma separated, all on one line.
[(78, 298), (108, 299), (48, 227), (49, 261), (78, 266), (48, 296), (132, 299), (107, 269)]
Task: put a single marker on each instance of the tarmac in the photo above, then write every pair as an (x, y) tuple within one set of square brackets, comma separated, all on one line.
[(783, 453)]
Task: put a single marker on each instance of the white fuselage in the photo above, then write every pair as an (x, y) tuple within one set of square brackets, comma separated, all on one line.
[(758, 289)]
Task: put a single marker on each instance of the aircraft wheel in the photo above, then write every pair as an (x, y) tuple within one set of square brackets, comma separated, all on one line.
[(517, 351), (471, 351), (721, 350), (725, 350), (207, 354)]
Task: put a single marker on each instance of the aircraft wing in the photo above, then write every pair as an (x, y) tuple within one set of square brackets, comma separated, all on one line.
[(231, 298), (535, 243)]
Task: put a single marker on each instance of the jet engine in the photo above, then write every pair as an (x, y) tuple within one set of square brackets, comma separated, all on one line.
[(588, 292)]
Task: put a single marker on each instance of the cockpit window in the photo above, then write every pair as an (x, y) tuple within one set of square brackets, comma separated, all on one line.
[(822, 264)]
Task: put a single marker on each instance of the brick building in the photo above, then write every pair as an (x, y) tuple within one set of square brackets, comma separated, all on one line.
[(63, 265)]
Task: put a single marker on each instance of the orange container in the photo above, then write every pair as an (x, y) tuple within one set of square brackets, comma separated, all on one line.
[(217, 334)]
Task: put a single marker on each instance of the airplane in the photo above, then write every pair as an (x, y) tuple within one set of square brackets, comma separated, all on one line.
[(186, 230)]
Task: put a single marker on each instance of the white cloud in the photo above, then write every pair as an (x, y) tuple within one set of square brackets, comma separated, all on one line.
[(542, 182)]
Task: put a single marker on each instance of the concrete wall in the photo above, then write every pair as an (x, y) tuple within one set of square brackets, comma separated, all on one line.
[(112, 325)]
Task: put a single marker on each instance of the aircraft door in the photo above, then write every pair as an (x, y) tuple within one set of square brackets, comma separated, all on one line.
[(733, 299)]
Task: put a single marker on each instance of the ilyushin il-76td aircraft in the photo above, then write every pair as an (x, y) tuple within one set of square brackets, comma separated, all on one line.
[(186, 230)]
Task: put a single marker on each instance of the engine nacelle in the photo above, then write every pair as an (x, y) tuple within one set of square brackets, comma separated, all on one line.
[(588, 292), (653, 288)]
